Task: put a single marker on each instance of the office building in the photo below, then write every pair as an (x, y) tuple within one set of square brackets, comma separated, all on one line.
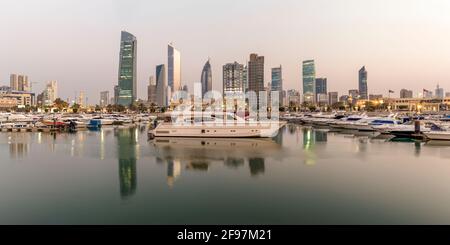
[(363, 91), (255, 77), (333, 98), (174, 68), (127, 87), (233, 79), (277, 83), (104, 98), (161, 86), (206, 78), (309, 79)]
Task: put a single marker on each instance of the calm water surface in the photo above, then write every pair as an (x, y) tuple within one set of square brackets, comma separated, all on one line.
[(303, 176)]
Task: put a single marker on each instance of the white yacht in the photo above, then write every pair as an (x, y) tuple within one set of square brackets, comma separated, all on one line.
[(215, 125)]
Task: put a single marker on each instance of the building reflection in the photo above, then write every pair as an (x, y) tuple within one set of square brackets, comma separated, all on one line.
[(310, 138), (19, 145), (127, 155), (256, 165), (199, 154)]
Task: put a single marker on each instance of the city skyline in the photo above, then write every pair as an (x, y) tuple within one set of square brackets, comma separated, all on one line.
[(389, 44)]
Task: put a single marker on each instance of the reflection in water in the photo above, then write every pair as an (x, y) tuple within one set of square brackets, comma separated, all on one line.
[(256, 166), (199, 154), (19, 144), (173, 171), (127, 155)]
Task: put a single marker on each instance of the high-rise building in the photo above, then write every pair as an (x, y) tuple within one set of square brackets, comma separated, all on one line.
[(439, 92), (255, 77), (321, 91), (245, 78), (50, 93), (161, 85), (14, 82), (116, 95), (404, 93), (206, 78), (174, 68), (309, 79), (20, 83), (81, 100), (151, 91), (277, 83), (127, 87), (363, 91), (332, 98), (233, 79), (104, 98), (447, 94)]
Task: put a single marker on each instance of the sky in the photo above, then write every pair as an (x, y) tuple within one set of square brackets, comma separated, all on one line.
[(402, 43)]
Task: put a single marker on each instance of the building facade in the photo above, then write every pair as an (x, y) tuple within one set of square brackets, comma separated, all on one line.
[(309, 80), (161, 86), (404, 93), (362, 83), (321, 91), (151, 91), (127, 85), (255, 76), (104, 98), (439, 92), (233, 79), (174, 68), (206, 79), (277, 83), (333, 98)]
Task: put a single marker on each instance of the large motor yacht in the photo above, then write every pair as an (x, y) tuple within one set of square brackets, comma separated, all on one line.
[(214, 125)]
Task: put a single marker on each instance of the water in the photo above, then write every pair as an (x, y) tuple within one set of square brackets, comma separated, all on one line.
[(303, 176)]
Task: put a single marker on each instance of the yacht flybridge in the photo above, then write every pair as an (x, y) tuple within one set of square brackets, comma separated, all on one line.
[(214, 125)]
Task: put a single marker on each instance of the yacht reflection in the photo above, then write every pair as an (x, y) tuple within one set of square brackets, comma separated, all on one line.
[(198, 154), (127, 155)]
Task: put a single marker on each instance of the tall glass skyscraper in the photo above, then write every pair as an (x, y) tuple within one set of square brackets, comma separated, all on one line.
[(174, 68), (161, 85), (127, 92), (309, 80), (363, 93), (206, 78), (277, 82)]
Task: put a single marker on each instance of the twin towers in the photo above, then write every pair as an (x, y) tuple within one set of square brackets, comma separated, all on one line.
[(125, 93)]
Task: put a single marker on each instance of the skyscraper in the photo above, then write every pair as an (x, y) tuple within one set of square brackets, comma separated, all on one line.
[(127, 92), (104, 98), (309, 79), (206, 78), (363, 93), (277, 83), (19, 83), (151, 91), (50, 93), (439, 92), (161, 85), (321, 87), (14, 82), (174, 68), (255, 77), (233, 79)]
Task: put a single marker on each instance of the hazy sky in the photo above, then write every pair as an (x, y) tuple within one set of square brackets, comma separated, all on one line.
[(402, 43)]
